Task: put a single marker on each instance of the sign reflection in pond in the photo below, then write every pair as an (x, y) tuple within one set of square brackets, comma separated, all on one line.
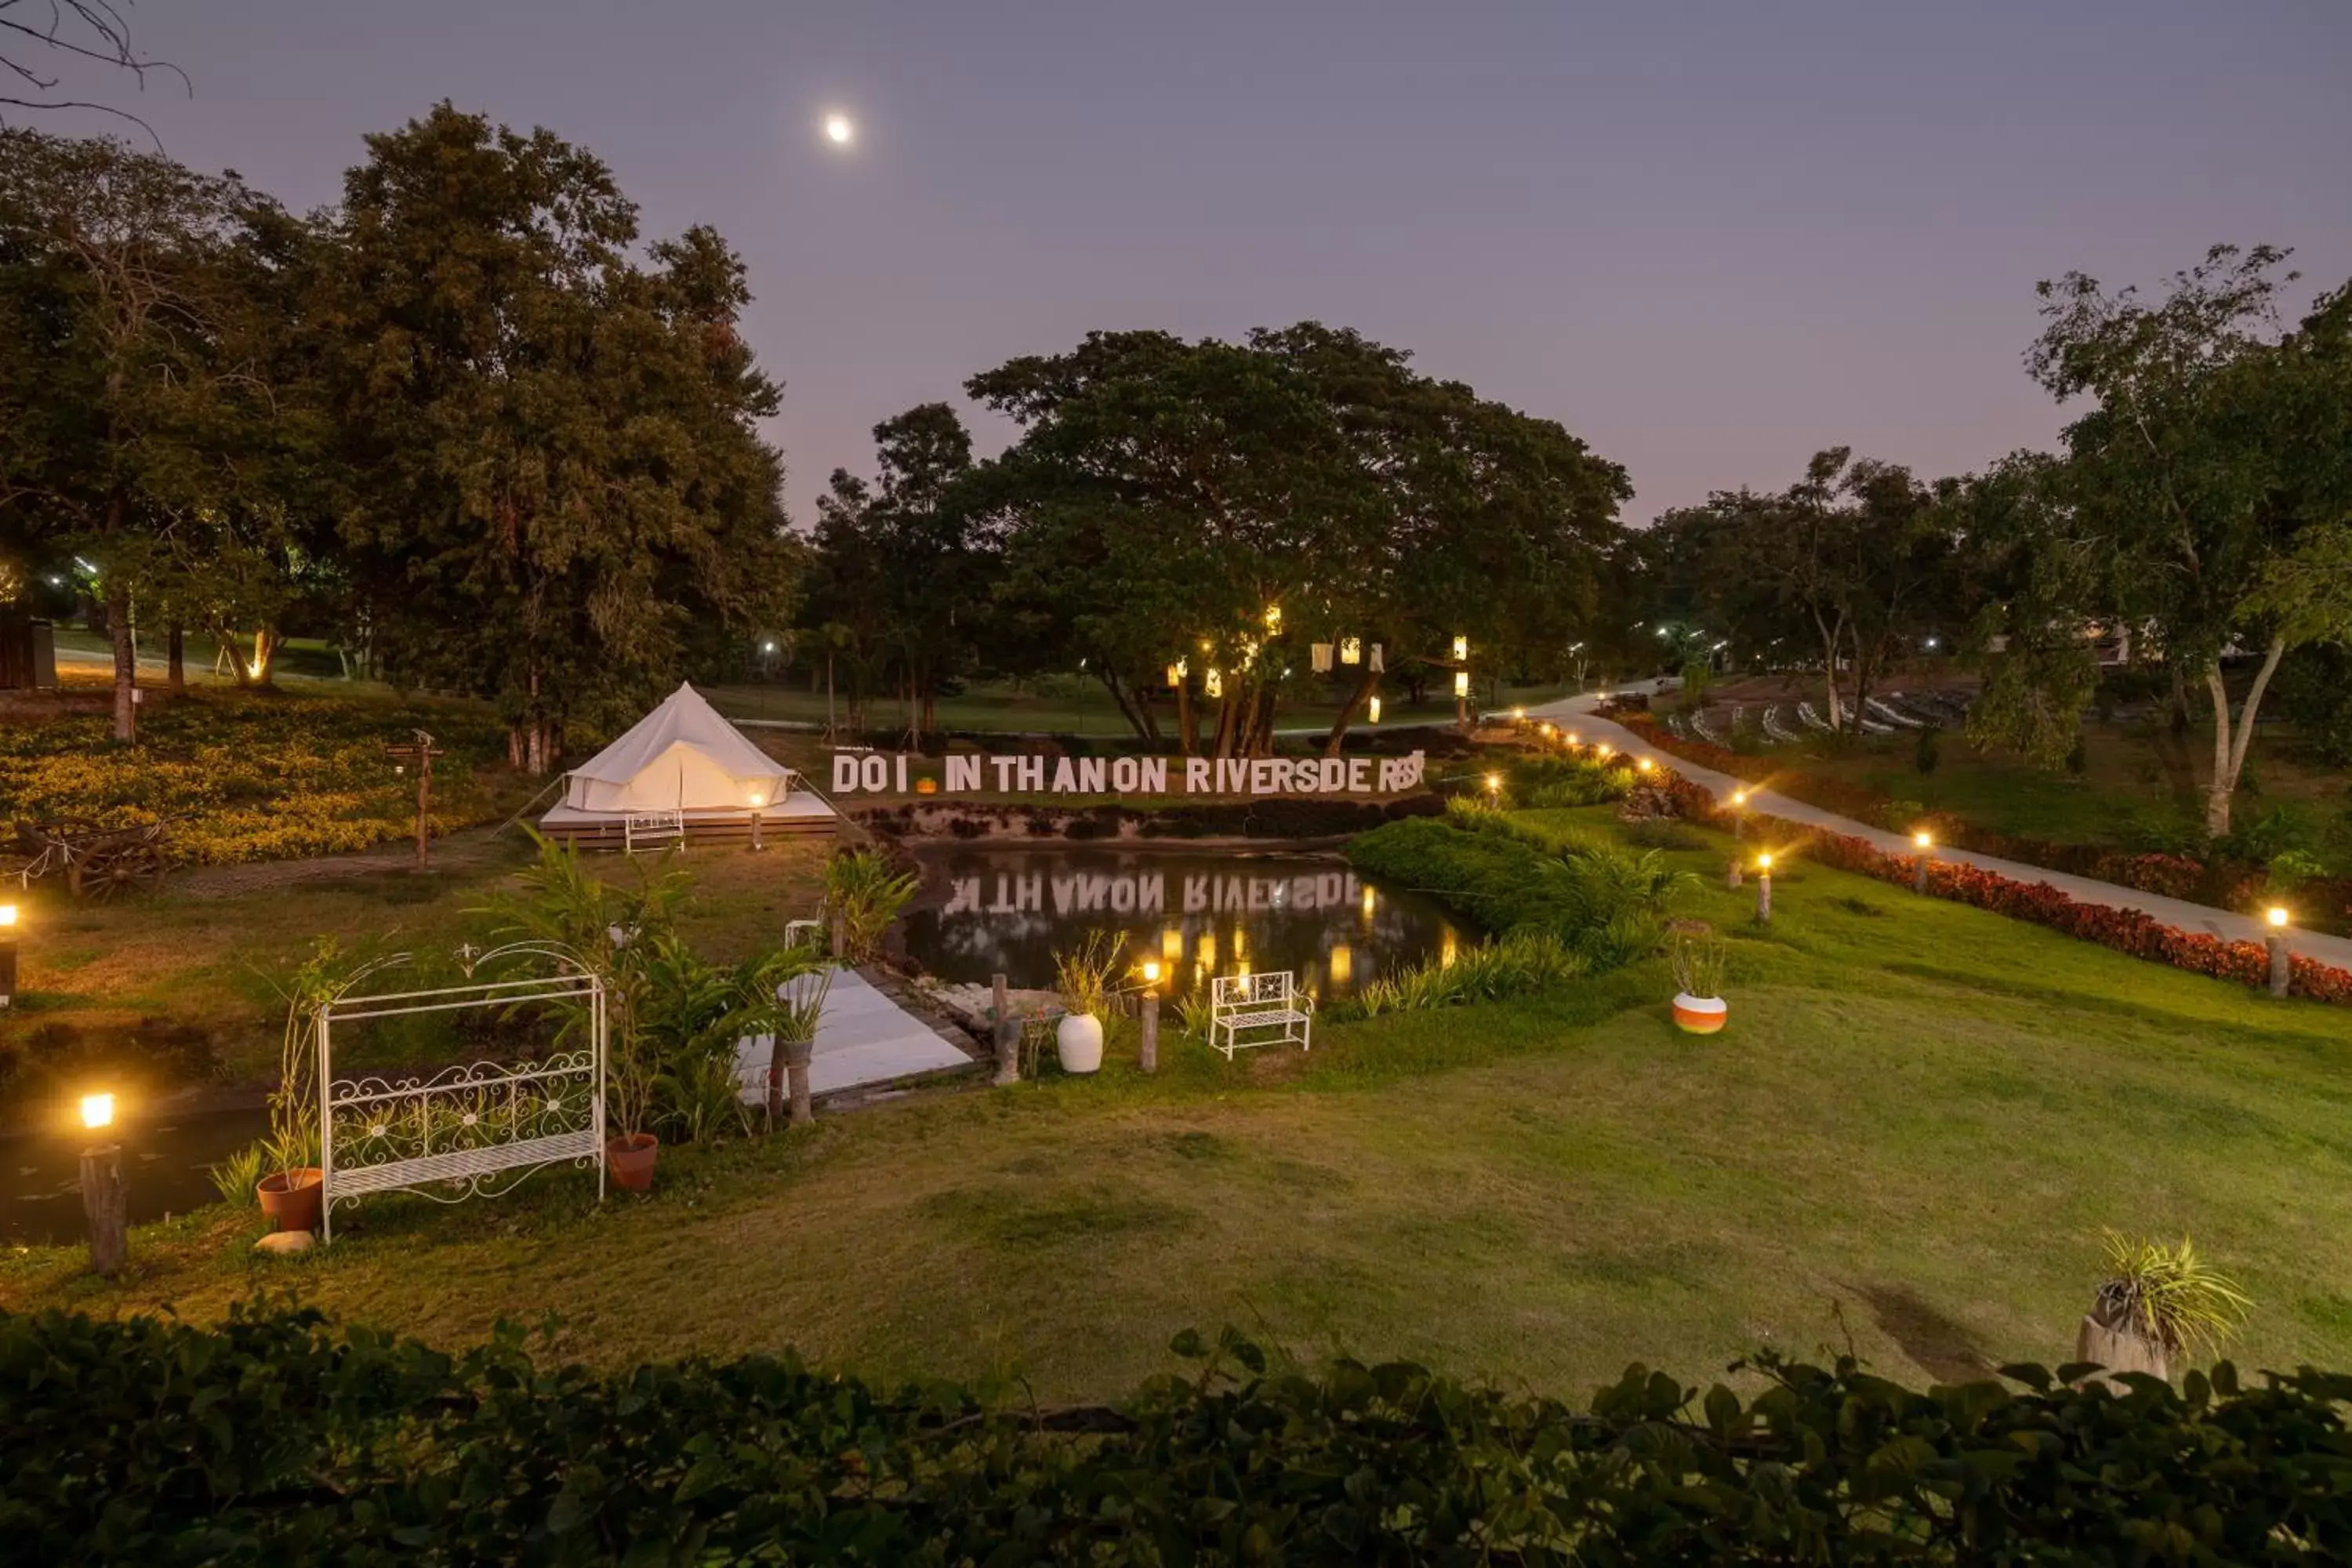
[(1199, 913)]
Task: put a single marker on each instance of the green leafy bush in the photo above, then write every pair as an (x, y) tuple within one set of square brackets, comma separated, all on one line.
[(1516, 966), (278, 1438)]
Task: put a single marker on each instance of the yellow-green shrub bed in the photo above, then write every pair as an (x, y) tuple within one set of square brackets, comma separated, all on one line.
[(254, 776)]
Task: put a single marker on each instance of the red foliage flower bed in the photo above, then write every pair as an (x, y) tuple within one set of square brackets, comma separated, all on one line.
[(2126, 930), (2328, 899)]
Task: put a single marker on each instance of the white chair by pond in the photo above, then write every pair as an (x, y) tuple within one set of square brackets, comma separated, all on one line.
[(1267, 1007)]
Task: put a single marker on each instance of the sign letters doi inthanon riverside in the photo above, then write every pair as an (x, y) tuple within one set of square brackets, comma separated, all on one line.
[(873, 773)]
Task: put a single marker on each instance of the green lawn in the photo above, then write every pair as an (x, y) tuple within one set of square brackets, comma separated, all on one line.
[(1908, 1140), (2140, 789), (1075, 707)]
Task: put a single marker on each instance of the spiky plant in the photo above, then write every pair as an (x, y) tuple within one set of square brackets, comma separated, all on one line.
[(2169, 1296)]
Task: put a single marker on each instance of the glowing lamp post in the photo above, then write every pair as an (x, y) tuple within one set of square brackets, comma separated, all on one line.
[(1147, 1037), (1462, 683), (103, 1200), (1494, 788), (758, 802), (1644, 764), (1738, 816), (2282, 962), (1764, 890), (8, 954), (1925, 843)]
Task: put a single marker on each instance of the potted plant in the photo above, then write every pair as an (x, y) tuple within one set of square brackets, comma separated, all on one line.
[(290, 1190), (1699, 1007), (2156, 1302), (1083, 976)]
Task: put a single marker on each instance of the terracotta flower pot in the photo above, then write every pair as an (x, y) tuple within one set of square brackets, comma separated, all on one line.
[(1699, 1015), (630, 1159), (291, 1198)]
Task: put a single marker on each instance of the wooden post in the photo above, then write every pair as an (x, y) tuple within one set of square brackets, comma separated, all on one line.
[(1147, 1049), (1764, 897), (2282, 965), (1919, 864), (1731, 877), (424, 795), (1008, 1033), (796, 1068), (755, 829), (104, 1201), (7, 965)]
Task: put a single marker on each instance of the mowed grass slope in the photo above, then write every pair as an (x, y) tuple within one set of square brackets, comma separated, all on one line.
[(1908, 1141)]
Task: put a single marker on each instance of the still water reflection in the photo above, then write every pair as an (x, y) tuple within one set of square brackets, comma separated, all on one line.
[(167, 1164), (1199, 912)]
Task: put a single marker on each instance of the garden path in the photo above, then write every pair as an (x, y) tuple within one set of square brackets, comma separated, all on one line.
[(2226, 924), (863, 1038)]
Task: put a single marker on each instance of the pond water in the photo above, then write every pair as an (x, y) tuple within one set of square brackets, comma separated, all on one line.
[(166, 1170), (1202, 912)]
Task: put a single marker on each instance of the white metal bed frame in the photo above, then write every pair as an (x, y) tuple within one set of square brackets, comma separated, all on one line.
[(454, 1135)]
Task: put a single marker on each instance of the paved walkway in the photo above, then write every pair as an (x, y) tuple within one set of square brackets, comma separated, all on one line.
[(1577, 713), (863, 1038)]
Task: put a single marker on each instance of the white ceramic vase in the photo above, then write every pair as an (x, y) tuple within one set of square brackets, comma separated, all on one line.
[(1077, 1039)]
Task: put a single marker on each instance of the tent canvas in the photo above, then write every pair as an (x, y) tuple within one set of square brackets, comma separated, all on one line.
[(683, 756)]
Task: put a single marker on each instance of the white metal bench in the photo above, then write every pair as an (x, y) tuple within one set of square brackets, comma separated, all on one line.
[(1267, 1007), (652, 829)]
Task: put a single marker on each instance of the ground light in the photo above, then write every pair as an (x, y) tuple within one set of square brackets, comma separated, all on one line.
[(1738, 824), (1926, 843), (103, 1200), (757, 800), (1645, 764), (2282, 959), (1764, 890)]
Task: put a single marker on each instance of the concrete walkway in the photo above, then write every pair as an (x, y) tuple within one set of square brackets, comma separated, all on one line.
[(1577, 713), (863, 1038)]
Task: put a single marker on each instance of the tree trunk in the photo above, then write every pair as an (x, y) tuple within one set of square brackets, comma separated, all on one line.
[(2229, 750), (175, 646), (1185, 716), (126, 659), (1365, 683), (1830, 637)]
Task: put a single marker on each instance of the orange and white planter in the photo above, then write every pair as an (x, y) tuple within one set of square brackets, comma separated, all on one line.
[(1699, 1015)]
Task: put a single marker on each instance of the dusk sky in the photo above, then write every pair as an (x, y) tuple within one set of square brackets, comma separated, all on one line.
[(1709, 238)]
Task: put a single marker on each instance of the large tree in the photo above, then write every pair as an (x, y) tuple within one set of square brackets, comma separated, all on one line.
[(2210, 471), (554, 479), (129, 393), (901, 568)]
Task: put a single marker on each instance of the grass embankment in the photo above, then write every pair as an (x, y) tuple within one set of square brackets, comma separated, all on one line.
[(1908, 1139)]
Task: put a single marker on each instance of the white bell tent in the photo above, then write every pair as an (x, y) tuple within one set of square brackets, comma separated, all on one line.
[(685, 768)]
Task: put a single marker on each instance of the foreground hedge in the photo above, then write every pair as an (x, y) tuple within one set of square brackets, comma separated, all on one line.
[(278, 1438)]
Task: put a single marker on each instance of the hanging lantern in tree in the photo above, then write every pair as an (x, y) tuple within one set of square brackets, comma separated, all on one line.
[(1213, 685), (1175, 675), (1461, 683), (1273, 620), (1461, 649), (1373, 713), (1321, 657), (1377, 667), (1351, 650)]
